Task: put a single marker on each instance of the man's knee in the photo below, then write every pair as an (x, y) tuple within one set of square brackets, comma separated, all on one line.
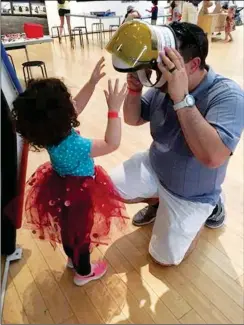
[(160, 263), (169, 258), (170, 262)]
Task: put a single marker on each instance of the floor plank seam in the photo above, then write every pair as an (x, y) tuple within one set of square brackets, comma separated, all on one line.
[(110, 265), (206, 298), (44, 301), (146, 255), (67, 301), (23, 308), (192, 309), (213, 261), (148, 285), (177, 291), (225, 293)]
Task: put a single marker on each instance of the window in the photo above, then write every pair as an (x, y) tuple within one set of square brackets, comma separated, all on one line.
[(24, 8)]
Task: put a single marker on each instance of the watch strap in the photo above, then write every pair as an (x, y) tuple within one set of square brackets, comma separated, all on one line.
[(180, 105), (188, 101)]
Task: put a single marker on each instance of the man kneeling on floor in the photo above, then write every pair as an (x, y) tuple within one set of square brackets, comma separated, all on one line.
[(196, 121)]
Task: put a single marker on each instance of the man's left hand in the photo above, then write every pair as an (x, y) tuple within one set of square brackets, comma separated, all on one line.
[(174, 72)]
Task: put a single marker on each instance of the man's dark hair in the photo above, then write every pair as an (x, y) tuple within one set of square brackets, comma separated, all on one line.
[(193, 42), (44, 113), (155, 2)]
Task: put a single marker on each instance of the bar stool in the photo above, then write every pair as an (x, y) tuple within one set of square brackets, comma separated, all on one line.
[(112, 28), (98, 28), (57, 32), (85, 33), (12, 61), (77, 31), (30, 64)]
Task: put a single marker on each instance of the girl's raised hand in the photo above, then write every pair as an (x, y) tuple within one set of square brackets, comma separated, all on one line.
[(98, 73), (115, 96)]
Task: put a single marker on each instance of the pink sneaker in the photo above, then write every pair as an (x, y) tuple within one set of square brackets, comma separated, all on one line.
[(70, 263), (98, 269)]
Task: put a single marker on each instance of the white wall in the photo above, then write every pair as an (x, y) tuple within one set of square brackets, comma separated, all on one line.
[(117, 6), (87, 7)]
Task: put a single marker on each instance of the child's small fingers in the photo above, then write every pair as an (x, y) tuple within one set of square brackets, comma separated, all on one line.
[(124, 89), (110, 89), (100, 61), (102, 75), (106, 94), (116, 87)]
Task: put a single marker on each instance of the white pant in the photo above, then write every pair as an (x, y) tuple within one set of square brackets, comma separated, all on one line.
[(189, 13), (177, 222)]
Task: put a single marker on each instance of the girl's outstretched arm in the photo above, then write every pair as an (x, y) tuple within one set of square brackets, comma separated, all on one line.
[(84, 95), (115, 98)]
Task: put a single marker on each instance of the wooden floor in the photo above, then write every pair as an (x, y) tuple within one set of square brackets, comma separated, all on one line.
[(206, 288)]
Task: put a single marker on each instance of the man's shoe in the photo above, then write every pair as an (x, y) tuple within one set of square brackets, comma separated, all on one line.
[(148, 215), (145, 216), (217, 218)]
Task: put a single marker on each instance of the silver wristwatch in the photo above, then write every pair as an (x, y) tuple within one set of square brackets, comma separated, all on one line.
[(189, 101)]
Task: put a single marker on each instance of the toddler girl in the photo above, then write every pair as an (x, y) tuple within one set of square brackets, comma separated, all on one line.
[(70, 200), (230, 24)]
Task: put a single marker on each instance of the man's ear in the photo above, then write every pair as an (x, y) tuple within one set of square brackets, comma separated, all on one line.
[(194, 64)]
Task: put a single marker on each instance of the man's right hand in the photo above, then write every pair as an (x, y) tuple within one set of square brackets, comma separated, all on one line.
[(133, 82), (132, 103)]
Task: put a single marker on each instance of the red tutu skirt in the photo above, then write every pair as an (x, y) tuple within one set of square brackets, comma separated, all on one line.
[(75, 211)]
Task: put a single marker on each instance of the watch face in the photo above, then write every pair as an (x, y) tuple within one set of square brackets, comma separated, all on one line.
[(190, 100)]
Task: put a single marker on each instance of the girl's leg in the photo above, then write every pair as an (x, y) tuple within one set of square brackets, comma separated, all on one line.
[(231, 38), (87, 271), (61, 25), (68, 24), (68, 251), (226, 37), (84, 265)]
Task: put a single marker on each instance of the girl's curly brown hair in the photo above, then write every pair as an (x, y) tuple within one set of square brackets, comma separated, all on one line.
[(44, 114)]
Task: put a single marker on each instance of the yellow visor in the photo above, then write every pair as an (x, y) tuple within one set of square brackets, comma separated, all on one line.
[(136, 44)]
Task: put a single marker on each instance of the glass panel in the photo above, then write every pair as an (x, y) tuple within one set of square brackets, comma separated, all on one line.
[(21, 8), (6, 8), (38, 8)]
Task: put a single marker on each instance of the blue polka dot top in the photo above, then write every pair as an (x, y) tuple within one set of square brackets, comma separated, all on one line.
[(71, 157)]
